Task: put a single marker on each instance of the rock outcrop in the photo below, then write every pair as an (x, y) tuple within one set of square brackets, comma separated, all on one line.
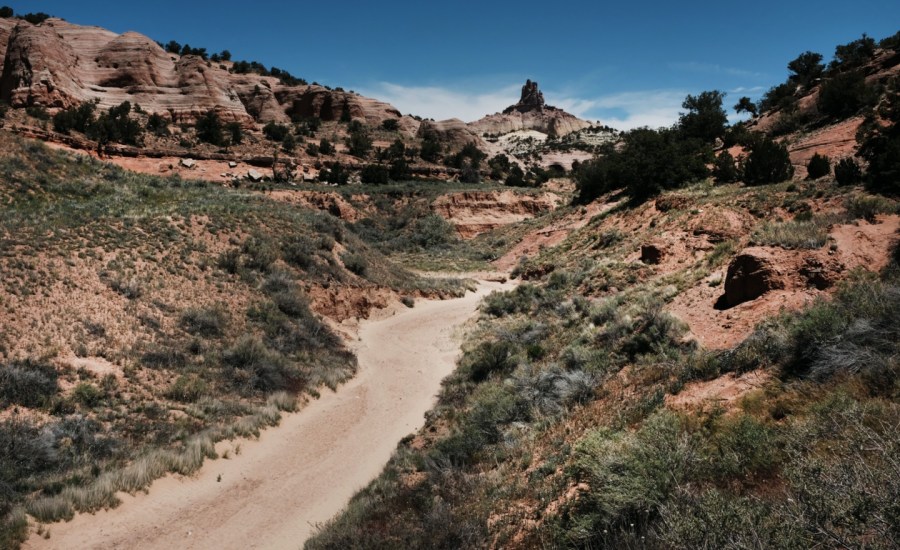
[(530, 113), (475, 212), (532, 99), (750, 275), (453, 132), (58, 65)]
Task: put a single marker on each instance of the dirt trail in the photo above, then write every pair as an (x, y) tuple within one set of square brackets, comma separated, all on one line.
[(304, 471)]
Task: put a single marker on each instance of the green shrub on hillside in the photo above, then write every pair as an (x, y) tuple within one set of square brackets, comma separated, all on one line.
[(768, 162), (725, 169), (818, 166), (845, 94), (847, 172)]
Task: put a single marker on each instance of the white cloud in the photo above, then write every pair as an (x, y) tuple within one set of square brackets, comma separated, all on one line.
[(653, 108), (696, 67), (442, 103)]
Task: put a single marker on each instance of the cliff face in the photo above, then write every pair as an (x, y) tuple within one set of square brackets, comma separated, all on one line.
[(530, 113), (57, 65)]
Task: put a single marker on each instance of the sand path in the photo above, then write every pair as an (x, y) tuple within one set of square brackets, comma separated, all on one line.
[(304, 471)]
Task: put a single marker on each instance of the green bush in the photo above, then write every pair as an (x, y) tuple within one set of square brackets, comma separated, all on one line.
[(375, 174), (725, 169), (355, 263), (87, 394), (276, 132), (251, 366), (845, 94), (27, 383), (208, 322), (209, 129), (259, 252), (819, 166), (158, 125), (188, 388), (847, 172), (77, 118), (487, 359), (648, 162), (768, 162)]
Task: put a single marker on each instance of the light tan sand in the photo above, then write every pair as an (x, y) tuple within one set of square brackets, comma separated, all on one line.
[(304, 471)]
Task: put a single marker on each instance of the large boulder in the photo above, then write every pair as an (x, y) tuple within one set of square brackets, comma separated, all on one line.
[(750, 275)]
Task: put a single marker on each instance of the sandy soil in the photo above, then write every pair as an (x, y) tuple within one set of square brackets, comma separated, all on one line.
[(276, 489)]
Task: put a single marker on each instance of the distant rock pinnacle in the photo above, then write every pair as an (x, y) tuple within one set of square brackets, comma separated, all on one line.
[(532, 99)]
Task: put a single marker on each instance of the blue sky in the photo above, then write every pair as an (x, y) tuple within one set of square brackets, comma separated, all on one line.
[(627, 64)]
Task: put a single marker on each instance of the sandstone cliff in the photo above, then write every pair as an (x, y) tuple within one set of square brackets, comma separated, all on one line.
[(58, 64)]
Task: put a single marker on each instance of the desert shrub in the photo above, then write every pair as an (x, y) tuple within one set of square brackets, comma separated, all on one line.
[(325, 147), (811, 233), (431, 232), (818, 166), (375, 173), (629, 476), (868, 207), (654, 331), (298, 250), (648, 162), (130, 287), (116, 125), (188, 388), (88, 394), (847, 172), (493, 406), (714, 518), (163, 357), (27, 383), (230, 261), (38, 112), (390, 124), (487, 359), (251, 366), (77, 118), (705, 118), (158, 125), (208, 322), (292, 303), (768, 162), (854, 333), (276, 132), (355, 263), (725, 169), (523, 299), (209, 129), (359, 144), (845, 94), (551, 390), (779, 97), (259, 252)]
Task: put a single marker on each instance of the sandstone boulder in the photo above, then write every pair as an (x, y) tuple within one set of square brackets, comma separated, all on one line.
[(750, 275)]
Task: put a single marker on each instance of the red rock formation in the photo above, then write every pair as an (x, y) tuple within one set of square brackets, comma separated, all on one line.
[(57, 65), (530, 113)]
